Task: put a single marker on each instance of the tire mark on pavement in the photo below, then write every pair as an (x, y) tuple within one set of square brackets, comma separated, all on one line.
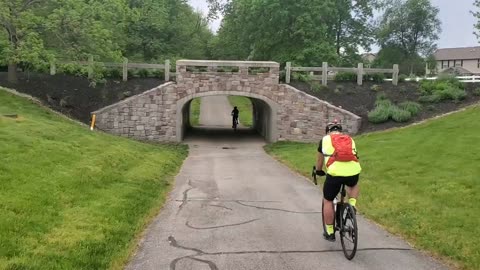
[(220, 226)]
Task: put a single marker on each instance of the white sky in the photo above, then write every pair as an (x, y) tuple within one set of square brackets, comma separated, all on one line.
[(457, 22)]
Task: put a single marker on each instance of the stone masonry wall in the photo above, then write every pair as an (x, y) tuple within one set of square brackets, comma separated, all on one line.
[(147, 116), (154, 115)]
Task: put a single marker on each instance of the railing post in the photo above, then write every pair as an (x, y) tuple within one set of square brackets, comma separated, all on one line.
[(288, 72), (90, 67), (125, 69), (167, 70), (53, 68), (360, 74), (324, 73), (395, 74)]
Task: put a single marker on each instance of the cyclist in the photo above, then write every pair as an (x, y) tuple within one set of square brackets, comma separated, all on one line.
[(337, 151), (235, 113)]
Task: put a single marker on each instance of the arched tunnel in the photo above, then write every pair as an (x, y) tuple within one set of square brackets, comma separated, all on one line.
[(264, 117)]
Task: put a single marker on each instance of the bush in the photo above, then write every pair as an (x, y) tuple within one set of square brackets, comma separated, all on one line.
[(317, 87), (450, 79), (402, 78), (114, 73), (380, 114), (476, 92), (377, 77), (412, 107), (375, 88), (399, 115), (429, 99), (131, 73), (451, 93), (143, 73), (302, 77), (158, 73), (345, 77)]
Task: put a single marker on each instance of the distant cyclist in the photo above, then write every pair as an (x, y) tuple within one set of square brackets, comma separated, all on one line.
[(235, 113), (339, 154)]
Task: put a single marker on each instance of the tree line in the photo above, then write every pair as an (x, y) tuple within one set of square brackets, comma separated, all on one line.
[(305, 32)]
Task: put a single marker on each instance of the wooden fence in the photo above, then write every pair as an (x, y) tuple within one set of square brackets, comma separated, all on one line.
[(125, 66), (360, 71)]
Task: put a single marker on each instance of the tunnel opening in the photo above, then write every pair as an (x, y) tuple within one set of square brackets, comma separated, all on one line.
[(208, 115)]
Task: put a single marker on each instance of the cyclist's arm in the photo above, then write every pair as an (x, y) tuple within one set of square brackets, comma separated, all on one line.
[(320, 157)]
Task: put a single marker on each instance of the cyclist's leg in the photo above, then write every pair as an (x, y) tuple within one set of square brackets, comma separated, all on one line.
[(330, 191), (353, 189)]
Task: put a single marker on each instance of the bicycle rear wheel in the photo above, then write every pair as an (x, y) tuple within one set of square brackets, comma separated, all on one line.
[(349, 231)]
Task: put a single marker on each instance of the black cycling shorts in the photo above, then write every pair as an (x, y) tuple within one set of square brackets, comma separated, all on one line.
[(333, 184)]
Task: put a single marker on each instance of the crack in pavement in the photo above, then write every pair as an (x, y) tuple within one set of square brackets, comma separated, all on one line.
[(213, 266), (185, 196), (221, 206), (220, 226), (278, 209)]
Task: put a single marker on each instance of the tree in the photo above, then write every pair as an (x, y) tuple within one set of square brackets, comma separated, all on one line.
[(19, 21), (476, 14), (307, 32), (411, 25)]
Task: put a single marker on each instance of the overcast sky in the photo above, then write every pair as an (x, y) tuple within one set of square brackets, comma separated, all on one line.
[(457, 22)]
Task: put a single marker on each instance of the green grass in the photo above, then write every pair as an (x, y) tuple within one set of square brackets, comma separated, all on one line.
[(195, 112), (420, 182), (71, 198), (245, 107)]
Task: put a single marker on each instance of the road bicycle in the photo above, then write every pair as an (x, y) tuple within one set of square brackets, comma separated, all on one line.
[(345, 221), (235, 124)]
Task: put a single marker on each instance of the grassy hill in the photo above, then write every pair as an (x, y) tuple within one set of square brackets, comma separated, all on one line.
[(421, 182), (71, 198)]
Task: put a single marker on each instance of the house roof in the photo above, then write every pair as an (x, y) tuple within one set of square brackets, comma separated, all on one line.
[(458, 70), (458, 53)]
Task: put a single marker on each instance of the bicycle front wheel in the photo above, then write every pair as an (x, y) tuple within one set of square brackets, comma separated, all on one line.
[(349, 231)]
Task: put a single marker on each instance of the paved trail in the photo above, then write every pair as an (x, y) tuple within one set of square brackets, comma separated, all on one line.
[(234, 207)]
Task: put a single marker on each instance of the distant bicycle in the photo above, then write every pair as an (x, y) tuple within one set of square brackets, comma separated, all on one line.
[(345, 221), (235, 124)]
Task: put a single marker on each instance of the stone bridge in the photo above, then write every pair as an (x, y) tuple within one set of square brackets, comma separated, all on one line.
[(281, 112)]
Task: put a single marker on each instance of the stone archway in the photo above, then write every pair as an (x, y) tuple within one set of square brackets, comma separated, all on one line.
[(265, 113)]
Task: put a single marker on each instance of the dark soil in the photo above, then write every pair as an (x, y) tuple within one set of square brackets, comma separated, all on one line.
[(74, 96), (361, 99)]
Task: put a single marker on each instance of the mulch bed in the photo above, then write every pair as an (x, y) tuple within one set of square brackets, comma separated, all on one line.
[(74, 96), (361, 99)]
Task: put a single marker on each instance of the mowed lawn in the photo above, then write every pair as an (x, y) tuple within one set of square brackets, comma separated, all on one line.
[(195, 111), (71, 198), (245, 107), (422, 182)]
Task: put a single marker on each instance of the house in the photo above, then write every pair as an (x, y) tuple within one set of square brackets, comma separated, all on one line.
[(368, 57), (459, 61)]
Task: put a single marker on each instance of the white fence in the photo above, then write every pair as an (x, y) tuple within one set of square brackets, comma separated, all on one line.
[(465, 79), (359, 70)]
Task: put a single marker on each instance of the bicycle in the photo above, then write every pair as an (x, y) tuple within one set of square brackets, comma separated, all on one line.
[(235, 124), (345, 221)]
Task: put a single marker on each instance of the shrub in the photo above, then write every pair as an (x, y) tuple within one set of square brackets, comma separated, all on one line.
[(412, 107), (143, 73), (114, 73), (317, 87), (429, 99), (345, 77), (375, 88), (476, 92), (451, 93), (379, 115), (450, 79), (399, 115), (132, 73), (158, 73), (402, 78), (302, 77), (377, 77)]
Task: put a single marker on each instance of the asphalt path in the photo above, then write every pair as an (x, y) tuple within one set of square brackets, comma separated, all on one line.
[(235, 207)]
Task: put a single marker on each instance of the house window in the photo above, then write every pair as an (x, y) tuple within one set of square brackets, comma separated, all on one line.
[(445, 64), (458, 63)]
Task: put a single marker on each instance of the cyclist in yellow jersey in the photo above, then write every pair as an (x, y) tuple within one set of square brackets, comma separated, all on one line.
[(337, 173)]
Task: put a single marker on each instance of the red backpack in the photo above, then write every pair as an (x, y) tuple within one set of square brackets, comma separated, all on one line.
[(343, 150)]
